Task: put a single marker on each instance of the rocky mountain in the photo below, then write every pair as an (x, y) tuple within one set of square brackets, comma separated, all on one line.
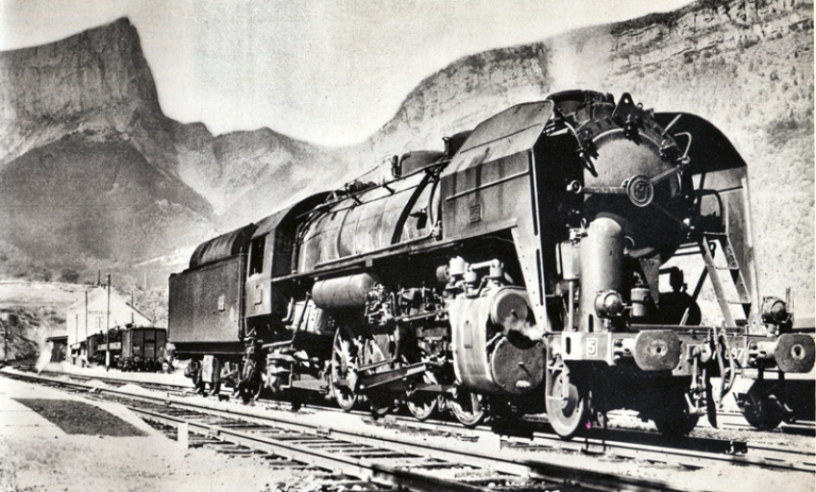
[(86, 109), (90, 168)]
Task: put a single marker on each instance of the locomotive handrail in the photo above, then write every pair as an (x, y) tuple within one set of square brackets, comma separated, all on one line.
[(312, 273), (333, 199), (487, 185), (406, 210)]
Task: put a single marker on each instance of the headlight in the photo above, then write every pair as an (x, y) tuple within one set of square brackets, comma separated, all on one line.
[(774, 311)]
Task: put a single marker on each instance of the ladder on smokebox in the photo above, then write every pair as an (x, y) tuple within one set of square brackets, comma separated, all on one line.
[(732, 266)]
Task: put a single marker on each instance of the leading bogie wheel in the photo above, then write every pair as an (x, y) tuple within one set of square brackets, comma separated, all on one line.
[(762, 409), (674, 418), (567, 406)]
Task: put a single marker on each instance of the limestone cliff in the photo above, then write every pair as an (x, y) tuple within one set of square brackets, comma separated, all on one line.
[(51, 90), (91, 168)]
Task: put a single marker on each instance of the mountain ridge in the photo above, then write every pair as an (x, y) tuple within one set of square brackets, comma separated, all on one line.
[(745, 65)]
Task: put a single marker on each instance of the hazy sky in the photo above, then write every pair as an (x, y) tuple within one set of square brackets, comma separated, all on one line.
[(327, 71)]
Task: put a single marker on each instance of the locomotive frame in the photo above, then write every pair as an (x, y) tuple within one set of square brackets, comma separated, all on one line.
[(523, 269)]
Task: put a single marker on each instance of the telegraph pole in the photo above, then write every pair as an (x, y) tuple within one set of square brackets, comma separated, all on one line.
[(86, 333), (107, 326)]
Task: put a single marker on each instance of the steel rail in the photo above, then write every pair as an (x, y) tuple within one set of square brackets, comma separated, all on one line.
[(733, 452), (514, 464), (689, 452), (473, 455), (169, 386), (769, 458), (294, 450)]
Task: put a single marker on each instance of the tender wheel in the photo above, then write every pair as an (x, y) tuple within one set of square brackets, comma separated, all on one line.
[(344, 371), (422, 404), (761, 409), (193, 371), (467, 407), (567, 408), (250, 384)]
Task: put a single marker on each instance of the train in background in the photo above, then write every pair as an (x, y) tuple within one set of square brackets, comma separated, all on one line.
[(552, 260), (132, 349)]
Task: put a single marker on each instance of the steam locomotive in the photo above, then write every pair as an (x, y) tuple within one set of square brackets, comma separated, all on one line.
[(539, 264)]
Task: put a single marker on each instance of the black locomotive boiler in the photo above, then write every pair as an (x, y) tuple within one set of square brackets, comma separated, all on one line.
[(541, 263)]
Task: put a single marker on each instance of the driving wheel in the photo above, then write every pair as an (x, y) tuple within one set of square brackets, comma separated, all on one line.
[(674, 419), (761, 408), (422, 404), (344, 370), (468, 407)]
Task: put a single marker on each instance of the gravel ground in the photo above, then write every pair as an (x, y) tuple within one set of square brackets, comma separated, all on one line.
[(36, 455)]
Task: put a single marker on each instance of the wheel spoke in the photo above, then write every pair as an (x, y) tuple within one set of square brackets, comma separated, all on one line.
[(475, 404), (381, 401), (467, 408), (343, 368), (423, 404)]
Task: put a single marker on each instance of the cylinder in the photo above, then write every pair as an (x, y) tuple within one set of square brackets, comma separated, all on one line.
[(343, 291), (601, 266)]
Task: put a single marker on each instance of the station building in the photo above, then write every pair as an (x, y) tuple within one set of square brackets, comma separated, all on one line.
[(89, 316)]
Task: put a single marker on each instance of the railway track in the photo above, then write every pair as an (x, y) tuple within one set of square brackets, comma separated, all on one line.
[(688, 452), (166, 387), (476, 458), (727, 420), (364, 454)]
